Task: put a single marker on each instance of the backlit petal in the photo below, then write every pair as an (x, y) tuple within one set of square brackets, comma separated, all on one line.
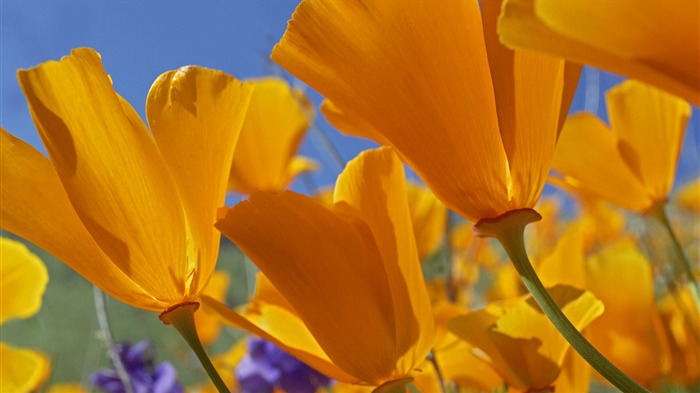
[(650, 124), (35, 206), (111, 170), (276, 122), (424, 74), (196, 115), (652, 41), (372, 187), (582, 143), (23, 278), (528, 89), (330, 271), (22, 370)]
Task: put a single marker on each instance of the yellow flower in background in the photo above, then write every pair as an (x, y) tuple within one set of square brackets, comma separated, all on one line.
[(688, 196), (130, 210), (640, 147), (207, 322), (356, 305), (23, 279), (681, 322), (476, 121), (429, 217), (66, 388), (654, 41), (518, 340), (265, 157)]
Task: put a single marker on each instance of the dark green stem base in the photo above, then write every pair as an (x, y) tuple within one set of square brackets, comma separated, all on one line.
[(181, 317), (509, 230)]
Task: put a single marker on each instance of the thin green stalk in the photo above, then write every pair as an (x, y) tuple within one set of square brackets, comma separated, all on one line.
[(658, 213), (182, 319), (103, 321), (438, 372), (509, 230)]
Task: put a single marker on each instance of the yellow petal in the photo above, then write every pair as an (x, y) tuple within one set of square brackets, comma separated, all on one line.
[(312, 255), (111, 170), (629, 333), (35, 206), (651, 41), (23, 279), (372, 187), (650, 124), (521, 343), (688, 196), (583, 170), (196, 115), (424, 74), (565, 264), (208, 325), (22, 370), (274, 127), (284, 329), (429, 217), (681, 319)]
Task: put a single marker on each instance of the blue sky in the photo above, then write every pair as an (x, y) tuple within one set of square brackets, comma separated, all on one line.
[(139, 40)]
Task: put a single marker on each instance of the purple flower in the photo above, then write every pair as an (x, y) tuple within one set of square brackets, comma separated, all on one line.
[(144, 376), (266, 367)]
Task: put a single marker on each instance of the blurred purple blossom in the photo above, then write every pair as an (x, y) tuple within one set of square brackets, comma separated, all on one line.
[(266, 367), (144, 376)]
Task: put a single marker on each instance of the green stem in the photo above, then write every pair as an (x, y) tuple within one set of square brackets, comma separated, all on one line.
[(509, 230), (181, 317), (658, 213)]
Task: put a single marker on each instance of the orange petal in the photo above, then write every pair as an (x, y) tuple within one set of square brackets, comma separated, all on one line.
[(196, 115), (22, 370), (650, 124), (651, 41), (274, 127), (283, 329), (423, 75), (330, 271), (111, 170), (610, 179), (688, 196), (372, 187), (23, 279), (35, 206)]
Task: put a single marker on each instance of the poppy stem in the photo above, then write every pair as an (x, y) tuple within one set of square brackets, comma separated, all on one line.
[(181, 317), (658, 213), (509, 230)]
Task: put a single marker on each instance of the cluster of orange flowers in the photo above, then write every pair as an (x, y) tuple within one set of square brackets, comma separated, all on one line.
[(474, 98)]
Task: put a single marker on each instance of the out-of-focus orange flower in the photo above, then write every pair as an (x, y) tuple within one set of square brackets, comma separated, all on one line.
[(23, 279), (653, 41), (629, 333), (518, 340), (130, 210), (681, 322), (352, 300), (641, 147), (66, 388), (476, 121), (207, 322), (265, 157)]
